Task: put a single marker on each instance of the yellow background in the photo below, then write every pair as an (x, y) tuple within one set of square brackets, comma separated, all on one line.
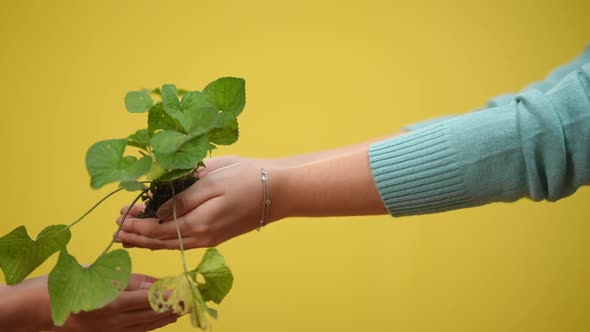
[(320, 74)]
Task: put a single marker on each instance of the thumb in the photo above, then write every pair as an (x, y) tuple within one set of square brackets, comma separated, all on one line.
[(140, 281)]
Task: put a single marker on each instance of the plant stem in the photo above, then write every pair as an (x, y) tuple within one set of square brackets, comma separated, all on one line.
[(123, 221), (178, 230), (94, 207), (181, 245)]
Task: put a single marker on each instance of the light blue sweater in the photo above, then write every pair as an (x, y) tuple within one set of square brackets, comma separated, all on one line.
[(535, 144)]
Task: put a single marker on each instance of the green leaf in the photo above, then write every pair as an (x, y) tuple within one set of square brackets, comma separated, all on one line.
[(74, 288), (170, 99), (136, 169), (20, 255), (168, 141), (229, 94), (140, 139), (181, 295), (105, 163), (174, 174), (195, 114), (218, 277), (226, 135), (199, 113), (211, 148), (138, 101), (132, 185), (187, 157), (158, 119), (156, 171), (212, 312)]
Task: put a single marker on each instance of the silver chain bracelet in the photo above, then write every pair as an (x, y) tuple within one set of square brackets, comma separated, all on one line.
[(265, 198)]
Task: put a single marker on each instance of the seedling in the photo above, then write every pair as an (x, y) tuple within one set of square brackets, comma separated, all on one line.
[(183, 127)]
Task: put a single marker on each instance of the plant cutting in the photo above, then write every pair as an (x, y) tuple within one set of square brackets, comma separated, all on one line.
[(157, 163)]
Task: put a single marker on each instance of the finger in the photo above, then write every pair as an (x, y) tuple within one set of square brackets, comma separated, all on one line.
[(129, 216), (141, 241), (202, 224), (140, 281), (132, 300), (187, 200), (153, 325), (135, 317), (135, 210), (153, 228)]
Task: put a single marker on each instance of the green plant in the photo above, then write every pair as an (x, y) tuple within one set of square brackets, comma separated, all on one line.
[(183, 127)]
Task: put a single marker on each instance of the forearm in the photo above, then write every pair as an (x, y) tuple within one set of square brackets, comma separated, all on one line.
[(302, 159), (338, 186)]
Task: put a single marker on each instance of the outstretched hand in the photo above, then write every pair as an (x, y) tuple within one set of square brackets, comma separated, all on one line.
[(224, 203), (131, 311), (26, 307)]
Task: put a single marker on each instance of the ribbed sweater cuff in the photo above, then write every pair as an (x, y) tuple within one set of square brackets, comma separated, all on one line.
[(418, 173)]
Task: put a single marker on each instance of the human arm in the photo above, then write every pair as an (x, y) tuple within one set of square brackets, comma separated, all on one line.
[(26, 307), (236, 179), (537, 146), (294, 160)]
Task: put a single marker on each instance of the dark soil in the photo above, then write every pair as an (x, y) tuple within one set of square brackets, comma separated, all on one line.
[(161, 192)]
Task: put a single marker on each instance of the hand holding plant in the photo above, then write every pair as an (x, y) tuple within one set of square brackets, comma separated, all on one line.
[(26, 307), (203, 210)]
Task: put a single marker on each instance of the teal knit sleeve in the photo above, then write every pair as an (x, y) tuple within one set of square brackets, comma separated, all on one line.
[(537, 146), (545, 85), (550, 81)]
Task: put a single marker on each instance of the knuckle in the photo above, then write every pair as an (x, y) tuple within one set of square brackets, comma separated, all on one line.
[(129, 238), (151, 230), (203, 184), (214, 242), (115, 306), (189, 243), (122, 237), (181, 203), (205, 242), (201, 228), (157, 244), (129, 226)]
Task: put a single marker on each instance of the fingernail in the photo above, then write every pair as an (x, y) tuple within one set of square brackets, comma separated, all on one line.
[(145, 285), (163, 212)]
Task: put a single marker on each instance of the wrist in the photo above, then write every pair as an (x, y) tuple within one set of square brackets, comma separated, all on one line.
[(281, 206)]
